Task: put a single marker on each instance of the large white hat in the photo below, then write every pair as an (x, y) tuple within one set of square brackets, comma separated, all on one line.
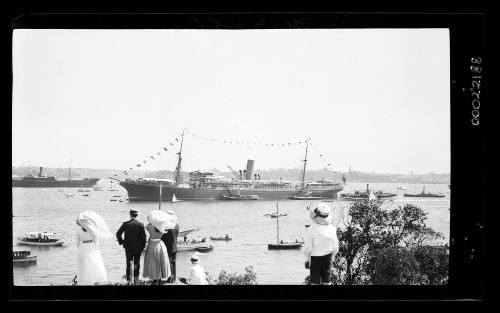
[(162, 220), (94, 223), (321, 214)]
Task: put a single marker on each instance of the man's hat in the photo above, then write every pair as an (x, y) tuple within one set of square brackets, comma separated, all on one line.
[(134, 212)]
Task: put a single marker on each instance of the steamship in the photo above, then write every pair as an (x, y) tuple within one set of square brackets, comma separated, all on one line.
[(207, 186), (41, 181)]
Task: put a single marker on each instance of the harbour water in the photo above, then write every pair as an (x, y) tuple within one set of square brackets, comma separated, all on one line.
[(48, 209)]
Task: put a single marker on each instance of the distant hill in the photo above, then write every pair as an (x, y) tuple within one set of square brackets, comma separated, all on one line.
[(286, 174)]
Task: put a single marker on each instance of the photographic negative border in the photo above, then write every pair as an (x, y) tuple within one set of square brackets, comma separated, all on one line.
[(467, 213)]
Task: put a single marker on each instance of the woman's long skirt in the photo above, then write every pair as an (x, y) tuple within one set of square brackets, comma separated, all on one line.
[(156, 262)]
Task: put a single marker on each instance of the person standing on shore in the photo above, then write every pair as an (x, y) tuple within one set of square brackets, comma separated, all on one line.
[(321, 245), (197, 274), (170, 240), (156, 261), (134, 243), (90, 267)]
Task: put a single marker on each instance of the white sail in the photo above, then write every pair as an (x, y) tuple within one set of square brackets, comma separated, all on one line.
[(174, 199), (372, 196)]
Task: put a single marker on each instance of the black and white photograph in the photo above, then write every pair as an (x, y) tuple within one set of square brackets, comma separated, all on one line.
[(178, 157)]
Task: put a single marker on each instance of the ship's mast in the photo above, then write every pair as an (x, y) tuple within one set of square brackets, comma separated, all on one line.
[(277, 225), (305, 162), (69, 171), (178, 168), (159, 202)]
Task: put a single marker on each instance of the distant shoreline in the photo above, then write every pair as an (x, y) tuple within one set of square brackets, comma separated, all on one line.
[(285, 174)]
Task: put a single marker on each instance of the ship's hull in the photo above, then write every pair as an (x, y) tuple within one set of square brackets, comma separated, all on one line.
[(149, 192), (88, 182)]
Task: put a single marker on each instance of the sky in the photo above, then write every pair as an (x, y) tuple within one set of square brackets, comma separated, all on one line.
[(370, 99)]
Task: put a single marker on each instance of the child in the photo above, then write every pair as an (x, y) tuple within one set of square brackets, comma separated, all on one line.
[(197, 274)]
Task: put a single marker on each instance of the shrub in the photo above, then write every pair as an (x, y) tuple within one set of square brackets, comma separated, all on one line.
[(249, 278)]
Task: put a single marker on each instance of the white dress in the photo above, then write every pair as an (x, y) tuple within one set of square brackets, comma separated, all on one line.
[(90, 265)]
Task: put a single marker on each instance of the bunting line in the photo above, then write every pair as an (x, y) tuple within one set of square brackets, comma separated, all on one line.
[(248, 144)]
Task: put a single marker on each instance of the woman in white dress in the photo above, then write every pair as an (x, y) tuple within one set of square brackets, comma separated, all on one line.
[(90, 267)]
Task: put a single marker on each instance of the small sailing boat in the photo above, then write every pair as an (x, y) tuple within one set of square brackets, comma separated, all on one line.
[(282, 245), (174, 199)]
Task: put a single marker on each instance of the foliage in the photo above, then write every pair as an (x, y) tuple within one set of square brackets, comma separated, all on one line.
[(388, 245), (248, 278), (421, 265)]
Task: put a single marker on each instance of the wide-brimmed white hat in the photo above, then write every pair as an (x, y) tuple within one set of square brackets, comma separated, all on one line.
[(321, 214), (162, 220), (93, 223)]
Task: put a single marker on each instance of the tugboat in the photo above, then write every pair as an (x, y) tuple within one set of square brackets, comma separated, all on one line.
[(423, 194), (23, 256)]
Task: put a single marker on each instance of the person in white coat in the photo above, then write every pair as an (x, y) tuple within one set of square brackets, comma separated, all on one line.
[(320, 245), (197, 274)]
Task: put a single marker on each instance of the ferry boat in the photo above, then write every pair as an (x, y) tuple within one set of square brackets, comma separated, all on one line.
[(23, 256), (206, 186), (40, 239)]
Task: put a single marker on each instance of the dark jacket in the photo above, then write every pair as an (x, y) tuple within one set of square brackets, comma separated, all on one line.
[(170, 239), (135, 235)]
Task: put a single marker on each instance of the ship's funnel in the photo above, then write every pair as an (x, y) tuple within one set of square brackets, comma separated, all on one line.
[(40, 173), (249, 174)]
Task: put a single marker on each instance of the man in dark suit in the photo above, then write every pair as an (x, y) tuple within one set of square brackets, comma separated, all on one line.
[(169, 238), (134, 243)]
